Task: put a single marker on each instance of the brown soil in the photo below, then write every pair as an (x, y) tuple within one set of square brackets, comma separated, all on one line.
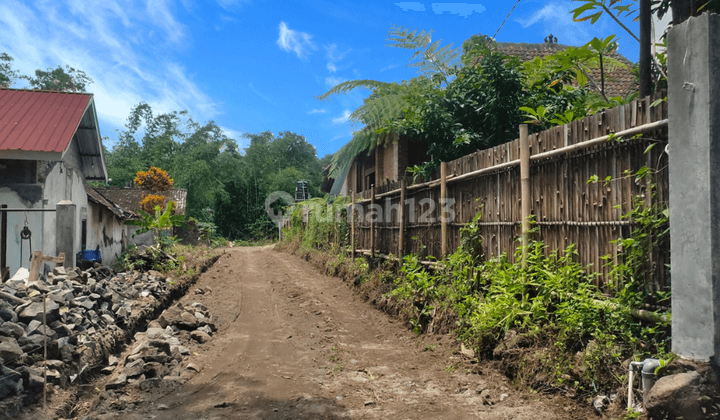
[(294, 344)]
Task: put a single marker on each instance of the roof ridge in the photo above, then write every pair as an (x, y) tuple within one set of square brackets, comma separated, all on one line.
[(47, 91)]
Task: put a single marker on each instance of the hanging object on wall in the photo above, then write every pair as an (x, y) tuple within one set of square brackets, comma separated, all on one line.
[(25, 235)]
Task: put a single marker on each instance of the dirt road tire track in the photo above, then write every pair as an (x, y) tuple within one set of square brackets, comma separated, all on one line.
[(294, 344)]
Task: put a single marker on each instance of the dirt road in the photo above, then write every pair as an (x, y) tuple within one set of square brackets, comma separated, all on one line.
[(293, 344)]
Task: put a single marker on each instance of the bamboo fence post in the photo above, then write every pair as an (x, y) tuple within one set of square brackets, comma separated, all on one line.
[(443, 200), (401, 239), (372, 221), (524, 189), (352, 225)]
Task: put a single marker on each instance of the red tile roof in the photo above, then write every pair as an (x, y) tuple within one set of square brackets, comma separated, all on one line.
[(39, 121), (618, 82)]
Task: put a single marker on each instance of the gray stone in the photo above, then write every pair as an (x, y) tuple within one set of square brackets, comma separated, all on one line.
[(12, 329), (116, 383), (134, 368), (11, 383), (31, 342), (200, 336), (206, 329), (676, 396), (7, 313), (83, 302), (66, 349), (34, 378), (49, 332), (35, 311), (151, 383), (9, 349), (33, 325)]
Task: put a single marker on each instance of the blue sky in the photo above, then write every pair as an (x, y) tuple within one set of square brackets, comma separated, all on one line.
[(256, 65)]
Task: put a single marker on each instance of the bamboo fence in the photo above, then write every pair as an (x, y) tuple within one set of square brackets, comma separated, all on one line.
[(567, 209)]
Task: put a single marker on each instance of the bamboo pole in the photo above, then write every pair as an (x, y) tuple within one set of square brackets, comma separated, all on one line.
[(539, 156), (524, 190), (401, 239), (352, 225), (372, 221), (443, 200)]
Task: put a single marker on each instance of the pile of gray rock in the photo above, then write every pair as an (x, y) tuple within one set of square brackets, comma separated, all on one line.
[(86, 313), (156, 359)]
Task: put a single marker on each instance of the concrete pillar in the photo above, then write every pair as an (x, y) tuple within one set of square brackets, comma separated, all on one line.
[(65, 231), (694, 137)]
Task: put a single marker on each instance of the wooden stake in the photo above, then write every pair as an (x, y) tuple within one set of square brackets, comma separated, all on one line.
[(401, 239), (443, 200), (524, 189), (372, 221), (352, 225), (38, 259), (45, 351)]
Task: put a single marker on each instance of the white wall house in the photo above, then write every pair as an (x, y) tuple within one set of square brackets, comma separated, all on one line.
[(50, 146)]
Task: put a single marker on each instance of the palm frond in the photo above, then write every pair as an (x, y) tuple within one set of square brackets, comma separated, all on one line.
[(381, 108), (345, 87), (430, 58), (400, 37), (362, 141)]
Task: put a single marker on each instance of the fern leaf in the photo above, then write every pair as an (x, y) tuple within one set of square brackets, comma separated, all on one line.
[(345, 87)]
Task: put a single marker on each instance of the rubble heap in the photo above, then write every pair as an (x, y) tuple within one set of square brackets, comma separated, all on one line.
[(156, 358), (86, 312)]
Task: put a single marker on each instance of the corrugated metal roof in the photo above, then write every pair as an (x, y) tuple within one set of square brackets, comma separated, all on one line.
[(39, 121)]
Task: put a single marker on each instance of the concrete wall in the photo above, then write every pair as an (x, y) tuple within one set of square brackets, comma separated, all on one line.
[(56, 181), (16, 222), (694, 158), (105, 230), (147, 238), (65, 181)]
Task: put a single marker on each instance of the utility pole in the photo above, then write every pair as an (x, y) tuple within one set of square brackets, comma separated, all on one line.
[(645, 48)]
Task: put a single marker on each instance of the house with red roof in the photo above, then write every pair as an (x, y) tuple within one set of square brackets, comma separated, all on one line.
[(50, 147)]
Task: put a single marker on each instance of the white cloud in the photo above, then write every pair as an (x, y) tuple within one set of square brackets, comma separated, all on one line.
[(332, 81), (233, 134), (229, 4), (411, 5), (159, 12), (298, 42), (556, 19), (340, 136), (462, 9), (390, 67), (345, 117), (250, 85), (334, 56), (126, 49), (318, 111)]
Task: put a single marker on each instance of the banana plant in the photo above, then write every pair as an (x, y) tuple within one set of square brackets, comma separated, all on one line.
[(157, 222), (603, 48), (538, 116)]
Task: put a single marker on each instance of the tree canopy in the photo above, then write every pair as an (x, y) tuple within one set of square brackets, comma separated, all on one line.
[(225, 186), (67, 79)]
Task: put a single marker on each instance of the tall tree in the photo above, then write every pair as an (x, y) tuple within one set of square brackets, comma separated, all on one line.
[(68, 79), (8, 75)]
